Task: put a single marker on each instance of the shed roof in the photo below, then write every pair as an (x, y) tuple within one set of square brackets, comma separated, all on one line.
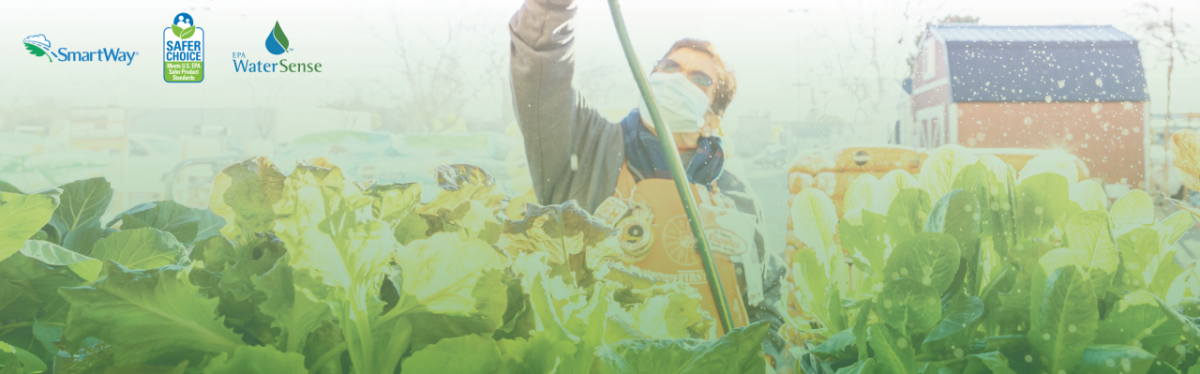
[(1040, 63)]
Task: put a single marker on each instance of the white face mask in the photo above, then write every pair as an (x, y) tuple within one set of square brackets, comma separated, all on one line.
[(681, 103)]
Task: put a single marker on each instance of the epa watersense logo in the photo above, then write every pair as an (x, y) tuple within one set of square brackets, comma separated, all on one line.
[(39, 45), (183, 51), (277, 44)]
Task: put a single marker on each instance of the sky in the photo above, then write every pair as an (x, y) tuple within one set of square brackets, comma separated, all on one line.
[(793, 59)]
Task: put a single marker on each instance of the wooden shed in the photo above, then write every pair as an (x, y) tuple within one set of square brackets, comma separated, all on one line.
[(1081, 89)]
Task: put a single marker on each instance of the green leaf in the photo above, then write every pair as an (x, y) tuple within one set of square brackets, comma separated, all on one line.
[(340, 254), (209, 225), (909, 307), (988, 363), (962, 315), (577, 243), (464, 354), (907, 214), (1180, 322), (442, 272), (1063, 313), (411, 227), (117, 308), (957, 214), (36, 51), (293, 313), (1058, 163), (812, 284), (942, 166), (893, 350), (837, 315), (1089, 195), (1172, 228), (257, 360), (1163, 272), (1116, 359), (279, 36), (840, 346), (176, 30), (17, 300), (52, 254), (29, 362), (21, 216), (187, 33), (1138, 249), (145, 248), (1042, 202), (866, 239), (889, 187), (814, 221), (739, 351), (667, 311), (860, 328), (861, 367), (169, 216), (1137, 320), (538, 354), (1133, 210), (989, 181), (390, 202), (5, 187), (1087, 233), (81, 204), (461, 183), (243, 194), (861, 193), (928, 258), (83, 239)]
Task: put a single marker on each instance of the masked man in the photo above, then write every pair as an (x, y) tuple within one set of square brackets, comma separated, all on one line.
[(618, 170)]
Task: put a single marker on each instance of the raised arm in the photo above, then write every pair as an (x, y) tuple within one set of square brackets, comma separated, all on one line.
[(573, 151)]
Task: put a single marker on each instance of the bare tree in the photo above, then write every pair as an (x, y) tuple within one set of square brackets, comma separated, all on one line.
[(863, 65), (266, 99), (1160, 30), (442, 70)]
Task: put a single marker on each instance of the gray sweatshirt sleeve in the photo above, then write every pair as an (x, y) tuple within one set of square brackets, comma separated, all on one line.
[(574, 153)]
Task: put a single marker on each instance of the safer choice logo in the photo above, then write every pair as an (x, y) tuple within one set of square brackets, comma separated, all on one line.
[(277, 44), (39, 45), (183, 51)]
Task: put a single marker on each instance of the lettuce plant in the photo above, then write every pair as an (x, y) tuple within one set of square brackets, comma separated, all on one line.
[(972, 267), (313, 273)]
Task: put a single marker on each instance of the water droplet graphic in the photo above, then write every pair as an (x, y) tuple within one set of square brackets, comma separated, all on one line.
[(277, 42)]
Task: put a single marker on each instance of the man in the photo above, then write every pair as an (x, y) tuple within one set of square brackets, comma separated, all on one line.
[(618, 170)]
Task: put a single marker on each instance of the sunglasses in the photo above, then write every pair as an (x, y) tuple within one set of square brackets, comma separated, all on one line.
[(667, 65)]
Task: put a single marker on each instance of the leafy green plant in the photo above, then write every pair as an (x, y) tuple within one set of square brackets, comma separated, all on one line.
[(972, 267), (313, 273)]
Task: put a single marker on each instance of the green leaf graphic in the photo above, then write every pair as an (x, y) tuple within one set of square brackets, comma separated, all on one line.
[(279, 36), (37, 51), (176, 30), (187, 33)]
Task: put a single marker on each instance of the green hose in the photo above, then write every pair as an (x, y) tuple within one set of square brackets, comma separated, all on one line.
[(681, 182)]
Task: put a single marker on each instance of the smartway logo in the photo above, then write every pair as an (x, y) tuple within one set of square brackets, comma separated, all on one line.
[(39, 45), (277, 44), (183, 51)]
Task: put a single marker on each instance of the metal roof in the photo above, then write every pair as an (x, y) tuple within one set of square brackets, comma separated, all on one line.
[(969, 32), (1042, 63)]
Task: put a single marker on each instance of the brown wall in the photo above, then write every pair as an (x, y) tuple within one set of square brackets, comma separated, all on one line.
[(1108, 137)]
